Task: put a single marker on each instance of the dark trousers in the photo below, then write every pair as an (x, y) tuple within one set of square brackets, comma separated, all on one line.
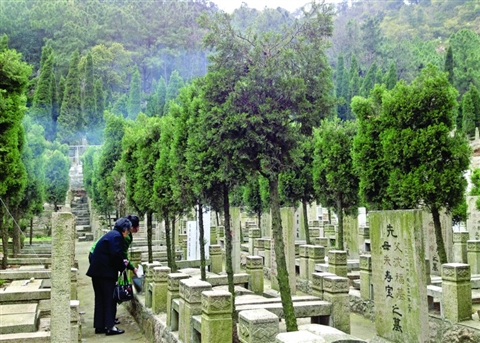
[(105, 306)]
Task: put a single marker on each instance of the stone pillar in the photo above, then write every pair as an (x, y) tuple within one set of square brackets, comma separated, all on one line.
[(148, 267), (75, 321), (317, 283), (366, 287), (304, 271), (73, 284), (473, 256), (217, 317), (456, 292), (329, 231), (363, 236), (268, 254), (63, 223), (460, 247), (253, 234), (258, 246), (216, 259), (337, 262), (314, 232), (335, 290), (235, 230), (213, 235), (324, 242), (160, 289), (135, 257), (257, 326), (190, 305), (254, 268), (172, 294), (316, 255), (184, 248)]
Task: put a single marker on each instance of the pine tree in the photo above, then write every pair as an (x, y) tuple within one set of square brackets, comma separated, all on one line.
[(173, 88), (354, 77), (42, 106), (70, 122), (134, 96), (392, 78), (468, 114), (449, 65), (475, 94), (161, 95), (89, 103), (369, 80)]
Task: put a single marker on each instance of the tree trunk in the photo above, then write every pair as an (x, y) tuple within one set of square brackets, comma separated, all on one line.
[(31, 230), (167, 239), (228, 260), (149, 236), (4, 229), (340, 245), (201, 239), (282, 272), (174, 255), (442, 255), (305, 222), (17, 240)]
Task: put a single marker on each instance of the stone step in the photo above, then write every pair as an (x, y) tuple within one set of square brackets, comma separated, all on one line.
[(18, 318), (27, 337)]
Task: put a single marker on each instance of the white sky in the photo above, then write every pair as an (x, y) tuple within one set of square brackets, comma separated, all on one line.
[(230, 5)]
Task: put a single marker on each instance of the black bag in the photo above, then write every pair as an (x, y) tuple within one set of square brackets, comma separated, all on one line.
[(123, 289)]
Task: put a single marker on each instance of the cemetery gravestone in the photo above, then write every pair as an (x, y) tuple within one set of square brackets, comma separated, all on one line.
[(399, 275)]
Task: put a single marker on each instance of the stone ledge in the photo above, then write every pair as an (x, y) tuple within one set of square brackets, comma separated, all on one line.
[(30, 337)]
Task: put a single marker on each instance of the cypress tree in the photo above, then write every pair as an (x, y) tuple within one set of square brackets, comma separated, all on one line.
[(346, 94), (379, 79), (392, 78), (97, 131), (89, 103), (468, 114), (369, 80), (161, 95), (339, 76), (173, 88), (354, 77), (449, 65), (42, 106), (475, 94), (56, 102), (70, 122), (120, 106), (3, 42), (134, 96), (151, 108)]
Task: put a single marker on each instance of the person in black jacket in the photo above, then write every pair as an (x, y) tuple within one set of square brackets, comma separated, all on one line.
[(107, 260)]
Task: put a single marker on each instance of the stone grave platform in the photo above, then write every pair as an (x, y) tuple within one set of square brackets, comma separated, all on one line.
[(18, 318)]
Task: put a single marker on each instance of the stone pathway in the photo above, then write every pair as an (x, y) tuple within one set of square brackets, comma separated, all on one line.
[(86, 297)]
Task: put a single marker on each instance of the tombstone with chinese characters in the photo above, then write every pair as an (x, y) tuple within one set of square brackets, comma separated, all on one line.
[(399, 275), (431, 241), (473, 220)]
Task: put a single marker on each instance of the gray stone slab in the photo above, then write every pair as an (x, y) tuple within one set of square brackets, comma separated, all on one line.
[(22, 295), (298, 337), (26, 337), (330, 334), (18, 308), (19, 322)]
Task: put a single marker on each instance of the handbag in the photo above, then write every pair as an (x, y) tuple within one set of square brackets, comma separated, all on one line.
[(123, 290)]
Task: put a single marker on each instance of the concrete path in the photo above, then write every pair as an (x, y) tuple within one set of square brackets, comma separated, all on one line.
[(86, 297)]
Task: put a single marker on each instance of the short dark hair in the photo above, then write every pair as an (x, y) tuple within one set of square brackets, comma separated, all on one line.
[(134, 219), (123, 224)]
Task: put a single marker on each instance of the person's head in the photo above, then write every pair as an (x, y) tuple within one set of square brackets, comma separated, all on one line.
[(123, 225), (135, 223)]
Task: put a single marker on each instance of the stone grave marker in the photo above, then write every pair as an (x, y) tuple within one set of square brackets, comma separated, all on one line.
[(399, 275), (473, 220), (431, 242)]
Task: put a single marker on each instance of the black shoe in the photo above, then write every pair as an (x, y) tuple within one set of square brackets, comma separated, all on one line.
[(97, 331), (114, 331), (117, 321)]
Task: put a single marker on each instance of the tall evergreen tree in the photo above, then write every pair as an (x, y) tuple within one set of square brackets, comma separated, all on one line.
[(161, 96), (70, 122), (468, 115), (14, 75), (57, 169), (89, 102), (369, 80), (354, 77), (392, 78), (174, 84), (134, 103), (475, 94), (449, 65), (97, 131), (42, 106)]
